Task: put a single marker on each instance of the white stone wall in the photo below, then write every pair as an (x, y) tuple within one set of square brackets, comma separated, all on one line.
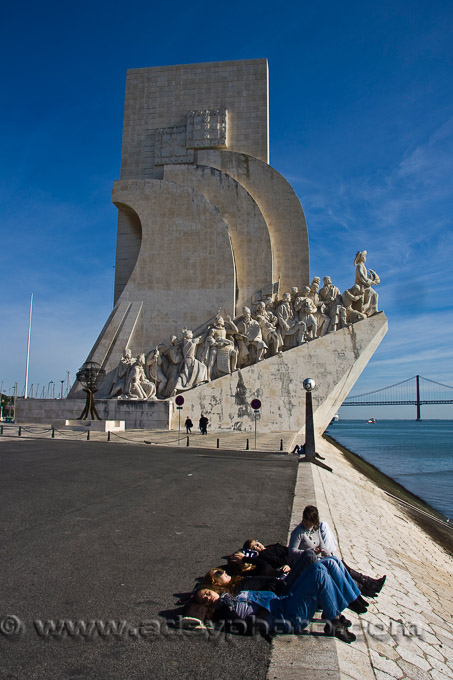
[(136, 414), (280, 208), (185, 269), (160, 97)]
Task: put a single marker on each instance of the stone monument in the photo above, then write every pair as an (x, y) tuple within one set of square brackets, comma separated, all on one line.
[(212, 288)]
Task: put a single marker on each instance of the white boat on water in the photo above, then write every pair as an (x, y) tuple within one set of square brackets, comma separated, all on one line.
[(335, 419), (372, 420)]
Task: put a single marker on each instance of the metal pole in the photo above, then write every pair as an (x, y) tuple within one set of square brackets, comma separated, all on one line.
[(179, 426), (28, 348), (309, 428), (61, 394), (417, 382), (255, 430)]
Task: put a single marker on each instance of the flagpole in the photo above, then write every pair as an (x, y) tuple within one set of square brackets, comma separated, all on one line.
[(28, 348)]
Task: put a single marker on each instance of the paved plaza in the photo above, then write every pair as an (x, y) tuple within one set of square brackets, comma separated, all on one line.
[(99, 531), (105, 531)]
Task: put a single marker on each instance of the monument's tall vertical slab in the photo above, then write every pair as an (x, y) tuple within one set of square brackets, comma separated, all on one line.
[(204, 223)]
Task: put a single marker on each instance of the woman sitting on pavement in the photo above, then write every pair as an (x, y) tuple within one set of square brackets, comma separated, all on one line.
[(313, 535), (325, 584)]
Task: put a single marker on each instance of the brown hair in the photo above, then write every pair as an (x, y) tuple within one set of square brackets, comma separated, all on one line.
[(210, 608), (241, 568), (311, 514), (249, 543)]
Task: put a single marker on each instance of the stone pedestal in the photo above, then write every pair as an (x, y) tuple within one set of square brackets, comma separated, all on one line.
[(92, 425)]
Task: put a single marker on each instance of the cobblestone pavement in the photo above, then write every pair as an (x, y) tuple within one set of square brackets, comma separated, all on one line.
[(407, 632)]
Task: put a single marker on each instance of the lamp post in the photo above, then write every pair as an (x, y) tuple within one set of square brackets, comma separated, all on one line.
[(310, 448), (61, 393)]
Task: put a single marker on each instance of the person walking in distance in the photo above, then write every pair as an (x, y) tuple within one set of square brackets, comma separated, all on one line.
[(189, 425), (203, 424)]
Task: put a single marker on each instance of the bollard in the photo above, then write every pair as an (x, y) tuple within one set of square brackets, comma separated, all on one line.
[(19, 432), (88, 436), (108, 436), (218, 443), (281, 444), (1, 429), (53, 433), (247, 445), (187, 442)]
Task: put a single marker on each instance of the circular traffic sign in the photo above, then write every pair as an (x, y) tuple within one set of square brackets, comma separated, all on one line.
[(256, 404), (179, 400)]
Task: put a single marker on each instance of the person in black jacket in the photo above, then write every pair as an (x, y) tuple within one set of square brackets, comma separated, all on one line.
[(203, 424)]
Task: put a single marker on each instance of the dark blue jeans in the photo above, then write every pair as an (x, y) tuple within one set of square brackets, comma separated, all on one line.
[(325, 584)]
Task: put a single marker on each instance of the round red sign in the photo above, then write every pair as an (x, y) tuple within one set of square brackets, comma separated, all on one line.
[(179, 400), (255, 404)]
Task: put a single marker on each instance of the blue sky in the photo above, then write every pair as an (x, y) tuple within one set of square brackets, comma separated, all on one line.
[(361, 124)]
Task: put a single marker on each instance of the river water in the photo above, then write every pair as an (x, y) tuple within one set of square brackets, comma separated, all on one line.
[(418, 455)]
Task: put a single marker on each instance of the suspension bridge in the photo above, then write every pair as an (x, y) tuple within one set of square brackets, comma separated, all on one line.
[(416, 391)]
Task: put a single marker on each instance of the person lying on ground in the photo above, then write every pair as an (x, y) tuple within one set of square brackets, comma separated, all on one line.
[(238, 563), (312, 534), (275, 554), (221, 579), (325, 584)]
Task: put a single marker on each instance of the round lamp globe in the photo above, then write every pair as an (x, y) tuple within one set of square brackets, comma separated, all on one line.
[(309, 384)]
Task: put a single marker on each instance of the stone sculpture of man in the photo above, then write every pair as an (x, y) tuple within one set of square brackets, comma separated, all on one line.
[(268, 325), (154, 370), (307, 314), (350, 297), (120, 375), (173, 357), (330, 296), (219, 353), (365, 279), (137, 385), (250, 340), (291, 330), (193, 372), (322, 319)]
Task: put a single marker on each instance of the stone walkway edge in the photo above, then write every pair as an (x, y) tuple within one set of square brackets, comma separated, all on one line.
[(407, 633)]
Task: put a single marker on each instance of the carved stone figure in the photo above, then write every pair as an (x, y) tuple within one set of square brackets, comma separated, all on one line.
[(120, 375), (270, 304), (219, 353), (154, 370), (222, 352), (350, 297), (291, 330), (322, 319), (173, 359), (306, 313), (365, 279), (250, 340), (193, 372), (137, 385), (268, 325), (330, 296), (294, 296)]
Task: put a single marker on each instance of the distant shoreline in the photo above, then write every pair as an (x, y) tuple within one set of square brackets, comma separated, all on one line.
[(443, 535)]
